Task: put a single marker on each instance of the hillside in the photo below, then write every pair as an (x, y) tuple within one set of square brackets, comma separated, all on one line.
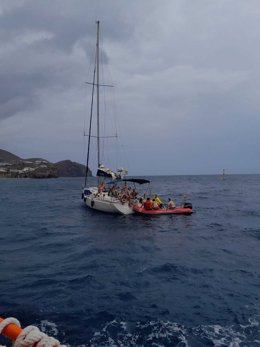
[(68, 168), (12, 166), (8, 157)]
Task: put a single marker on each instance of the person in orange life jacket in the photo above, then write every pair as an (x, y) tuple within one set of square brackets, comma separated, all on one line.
[(148, 204)]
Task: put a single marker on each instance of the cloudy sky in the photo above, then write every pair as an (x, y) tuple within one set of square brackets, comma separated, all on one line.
[(186, 78)]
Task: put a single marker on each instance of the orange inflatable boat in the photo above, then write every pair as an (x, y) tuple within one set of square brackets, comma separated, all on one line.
[(163, 211)]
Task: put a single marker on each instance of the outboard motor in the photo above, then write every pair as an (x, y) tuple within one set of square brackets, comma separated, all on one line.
[(187, 205)]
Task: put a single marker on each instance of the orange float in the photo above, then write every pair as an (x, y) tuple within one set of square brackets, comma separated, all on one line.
[(11, 331)]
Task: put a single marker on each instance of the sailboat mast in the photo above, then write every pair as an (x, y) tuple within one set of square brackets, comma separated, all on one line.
[(98, 134)]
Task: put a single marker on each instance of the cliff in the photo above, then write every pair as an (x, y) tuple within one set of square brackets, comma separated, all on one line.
[(12, 166)]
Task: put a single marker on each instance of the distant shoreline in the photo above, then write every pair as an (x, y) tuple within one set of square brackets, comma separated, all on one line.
[(12, 166)]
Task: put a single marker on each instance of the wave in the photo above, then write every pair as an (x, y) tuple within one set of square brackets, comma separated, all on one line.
[(166, 333)]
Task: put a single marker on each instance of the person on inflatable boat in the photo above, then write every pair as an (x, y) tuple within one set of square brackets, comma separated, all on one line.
[(170, 204), (158, 200), (155, 205), (140, 203), (148, 204)]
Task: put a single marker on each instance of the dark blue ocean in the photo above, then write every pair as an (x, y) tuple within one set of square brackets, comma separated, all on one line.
[(91, 279)]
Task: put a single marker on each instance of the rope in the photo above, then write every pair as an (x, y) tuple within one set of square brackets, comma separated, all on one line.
[(30, 336)]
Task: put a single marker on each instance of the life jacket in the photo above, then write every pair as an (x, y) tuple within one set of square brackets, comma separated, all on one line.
[(148, 204)]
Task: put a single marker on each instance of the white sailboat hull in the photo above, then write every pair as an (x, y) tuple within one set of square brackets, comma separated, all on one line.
[(105, 203)]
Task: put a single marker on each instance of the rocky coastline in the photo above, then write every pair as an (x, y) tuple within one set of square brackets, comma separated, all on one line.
[(12, 166)]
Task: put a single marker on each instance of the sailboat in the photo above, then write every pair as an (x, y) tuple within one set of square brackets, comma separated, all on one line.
[(119, 194)]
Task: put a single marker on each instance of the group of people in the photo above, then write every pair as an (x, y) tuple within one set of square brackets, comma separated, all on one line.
[(126, 194), (123, 193), (155, 203)]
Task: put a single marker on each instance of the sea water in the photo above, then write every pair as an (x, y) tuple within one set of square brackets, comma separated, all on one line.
[(93, 279)]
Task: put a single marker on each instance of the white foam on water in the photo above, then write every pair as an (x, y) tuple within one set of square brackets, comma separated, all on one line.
[(165, 333), (160, 333), (49, 328), (152, 333), (253, 322)]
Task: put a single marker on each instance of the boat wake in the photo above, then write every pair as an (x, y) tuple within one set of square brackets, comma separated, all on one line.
[(165, 333)]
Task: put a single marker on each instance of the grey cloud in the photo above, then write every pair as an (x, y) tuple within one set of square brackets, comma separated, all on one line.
[(185, 68)]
